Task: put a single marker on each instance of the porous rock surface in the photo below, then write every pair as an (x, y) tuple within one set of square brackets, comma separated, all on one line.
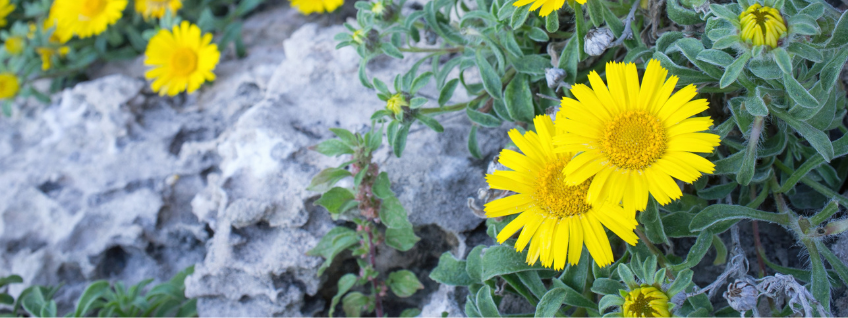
[(111, 181)]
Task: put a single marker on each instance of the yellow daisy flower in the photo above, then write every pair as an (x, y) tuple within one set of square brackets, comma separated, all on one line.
[(156, 8), (762, 25), (5, 9), (646, 301), (14, 45), (316, 6), (556, 218), (86, 18), (8, 85), (396, 102), (547, 6), (633, 140), (182, 60)]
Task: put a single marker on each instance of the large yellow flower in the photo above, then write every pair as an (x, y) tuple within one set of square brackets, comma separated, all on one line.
[(157, 8), (316, 6), (634, 139), (182, 60), (646, 301), (86, 18), (8, 85), (5, 9), (547, 6), (762, 25), (556, 218)]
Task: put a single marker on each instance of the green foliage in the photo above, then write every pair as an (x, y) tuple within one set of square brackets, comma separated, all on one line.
[(103, 299)]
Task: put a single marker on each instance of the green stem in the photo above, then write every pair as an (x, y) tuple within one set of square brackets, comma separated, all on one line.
[(446, 109), (413, 49), (656, 251)]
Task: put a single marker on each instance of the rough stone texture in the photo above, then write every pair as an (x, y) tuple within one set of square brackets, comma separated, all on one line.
[(113, 182)]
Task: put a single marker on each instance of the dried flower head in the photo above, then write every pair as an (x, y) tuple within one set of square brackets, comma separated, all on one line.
[(597, 41)]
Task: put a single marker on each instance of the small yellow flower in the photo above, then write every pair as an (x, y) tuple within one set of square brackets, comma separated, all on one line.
[(555, 217), (47, 54), (86, 18), (358, 36), (547, 6), (157, 8), (378, 7), (5, 9), (762, 25), (316, 6), (633, 139), (182, 60), (396, 102), (8, 85), (646, 301), (14, 45)]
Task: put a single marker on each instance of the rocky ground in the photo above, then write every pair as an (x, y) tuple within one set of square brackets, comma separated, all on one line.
[(111, 181)]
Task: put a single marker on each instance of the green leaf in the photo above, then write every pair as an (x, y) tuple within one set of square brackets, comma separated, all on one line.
[(420, 82), (572, 297), (410, 312), (722, 212), (337, 200), (538, 35), (485, 303), (382, 186), (831, 71), (404, 283), (91, 298), (363, 78), (680, 14), (473, 147), (552, 22), (570, 57), (815, 137), (732, 72), (402, 239), (333, 147), (650, 218), (799, 93), (491, 79), (327, 178), (840, 33), (683, 279), (338, 239), (755, 104), (379, 85), (483, 119), (391, 50), (610, 301), (501, 260), (11, 279), (430, 122), (417, 102), (838, 265), (451, 271), (519, 99), (820, 285), (531, 65), (606, 286), (474, 263), (345, 284), (354, 303), (447, 91), (393, 215), (471, 309), (550, 303), (725, 13), (806, 51), (719, 191), (596, 13), (533, 282), (575, 276), (519, 16), (715, 57), (399, 138), (783, 60), (697, 251)]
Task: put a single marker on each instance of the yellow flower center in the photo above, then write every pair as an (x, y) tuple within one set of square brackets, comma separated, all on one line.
[(646, 301), (91, 8), (184, 61), (762, 25), (634, 140), (378, 7), (555, 197)]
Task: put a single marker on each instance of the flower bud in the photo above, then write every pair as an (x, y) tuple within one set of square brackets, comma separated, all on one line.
[(597, 41)]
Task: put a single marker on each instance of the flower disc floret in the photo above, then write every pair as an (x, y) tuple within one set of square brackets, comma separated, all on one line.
[(631, 138), (762, 25), (646, 301), (182, 60), (555, 219), (157, 8), (86, 18), (316, 6)]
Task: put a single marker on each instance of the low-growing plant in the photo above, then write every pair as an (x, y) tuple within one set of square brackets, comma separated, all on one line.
[(102, 299), (635, 152)]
